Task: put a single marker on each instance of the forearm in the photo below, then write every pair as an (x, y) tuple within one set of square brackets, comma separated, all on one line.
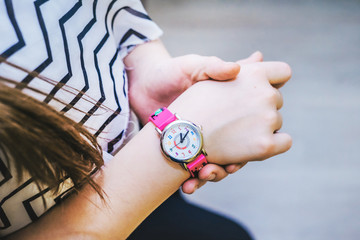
[(143, 64), (144, 67), (140, 178), (137, 181), (145, 54)]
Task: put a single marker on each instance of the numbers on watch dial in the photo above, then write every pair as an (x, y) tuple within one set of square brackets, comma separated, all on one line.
[(181, 141)]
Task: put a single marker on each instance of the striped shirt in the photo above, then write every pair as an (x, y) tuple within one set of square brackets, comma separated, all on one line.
[(80, 45)]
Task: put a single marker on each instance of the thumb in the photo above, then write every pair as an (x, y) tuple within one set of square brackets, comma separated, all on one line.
[(253, 58), (199, 68)]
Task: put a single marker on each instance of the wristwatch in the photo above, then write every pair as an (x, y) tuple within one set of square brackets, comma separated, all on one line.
[(181, 141)]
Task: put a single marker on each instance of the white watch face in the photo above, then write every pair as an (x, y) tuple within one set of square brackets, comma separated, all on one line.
[(181, 141)]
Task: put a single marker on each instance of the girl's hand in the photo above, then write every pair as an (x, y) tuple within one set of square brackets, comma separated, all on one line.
[(250, 111), (213, 172), (156, 79), (162, 79)]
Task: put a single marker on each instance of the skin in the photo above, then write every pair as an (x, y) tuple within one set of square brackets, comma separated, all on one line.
[(234, 135), (156, 80)]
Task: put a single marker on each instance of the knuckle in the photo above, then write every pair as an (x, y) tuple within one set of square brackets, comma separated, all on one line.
[(271, 117), (214, 59), (193, 55), (270, 95), (266, 146), (254, 69)]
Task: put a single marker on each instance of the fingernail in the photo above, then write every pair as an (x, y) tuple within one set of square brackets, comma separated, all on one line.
[(211, 177)]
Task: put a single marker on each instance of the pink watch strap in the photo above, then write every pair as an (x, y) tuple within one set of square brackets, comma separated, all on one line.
[(161, 118), (195, 166)]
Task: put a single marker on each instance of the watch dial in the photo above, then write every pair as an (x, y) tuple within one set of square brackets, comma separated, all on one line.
[(181, 141)]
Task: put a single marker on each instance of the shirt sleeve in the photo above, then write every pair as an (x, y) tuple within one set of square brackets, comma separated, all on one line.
[(132, 26)]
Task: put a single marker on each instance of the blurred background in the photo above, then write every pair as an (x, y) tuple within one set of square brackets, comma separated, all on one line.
[(312, 191)]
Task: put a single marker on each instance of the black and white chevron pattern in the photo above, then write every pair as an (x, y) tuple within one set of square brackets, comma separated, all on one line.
[(80, 45)]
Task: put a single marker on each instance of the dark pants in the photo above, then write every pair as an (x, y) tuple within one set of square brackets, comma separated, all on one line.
[(177, 219)]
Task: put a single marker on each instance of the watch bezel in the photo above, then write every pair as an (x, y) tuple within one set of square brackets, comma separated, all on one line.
[(198, 129)]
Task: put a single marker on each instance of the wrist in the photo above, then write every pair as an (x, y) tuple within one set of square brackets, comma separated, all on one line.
[(181, 141), (199, 117), (149, 151)]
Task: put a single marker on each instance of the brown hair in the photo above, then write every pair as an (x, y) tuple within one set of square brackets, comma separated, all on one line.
[(43, 142)]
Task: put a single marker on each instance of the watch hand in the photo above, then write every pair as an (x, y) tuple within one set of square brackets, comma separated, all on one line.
[(181, 140), (175, 144)]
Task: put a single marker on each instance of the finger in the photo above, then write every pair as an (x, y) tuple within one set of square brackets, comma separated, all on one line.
[(283, 142), (272, 145), (277, 73), (273, 96), (212, 172), (273, 119), (201, 183), (232, 168), (199, 68), (278, 122), (279, 99), (191, 185), (278, 85), (255, 57)]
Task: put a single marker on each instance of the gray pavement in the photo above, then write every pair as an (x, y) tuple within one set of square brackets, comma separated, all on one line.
[(312, 191)]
